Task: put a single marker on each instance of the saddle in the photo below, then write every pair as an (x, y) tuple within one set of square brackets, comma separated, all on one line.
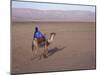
[(41, 41)]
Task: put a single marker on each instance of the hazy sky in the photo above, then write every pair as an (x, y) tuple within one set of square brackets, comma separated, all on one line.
[(48, 6)]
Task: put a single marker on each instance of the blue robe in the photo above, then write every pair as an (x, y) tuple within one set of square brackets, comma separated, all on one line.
[(38, 35)]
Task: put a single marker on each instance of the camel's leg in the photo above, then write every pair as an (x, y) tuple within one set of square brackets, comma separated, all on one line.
[(35, 47), (45, 54), (40, 56)]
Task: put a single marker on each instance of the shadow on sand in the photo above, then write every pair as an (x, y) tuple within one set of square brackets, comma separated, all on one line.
[(54, 50), (50, 52)]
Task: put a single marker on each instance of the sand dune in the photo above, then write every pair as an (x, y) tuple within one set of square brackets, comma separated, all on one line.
[(28, 15)]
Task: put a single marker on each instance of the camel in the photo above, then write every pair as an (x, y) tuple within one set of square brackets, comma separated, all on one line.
[(44, 42)]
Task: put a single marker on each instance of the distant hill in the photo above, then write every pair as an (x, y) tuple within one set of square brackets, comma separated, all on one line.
[(25, 15)]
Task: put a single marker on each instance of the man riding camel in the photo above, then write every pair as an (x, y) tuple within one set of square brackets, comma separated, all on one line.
[(38, 34)]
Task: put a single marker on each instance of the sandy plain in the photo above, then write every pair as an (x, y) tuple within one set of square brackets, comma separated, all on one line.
[(73, 48)]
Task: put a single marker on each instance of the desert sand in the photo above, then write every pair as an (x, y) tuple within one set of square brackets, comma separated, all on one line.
[(73, 47), (29, 15)]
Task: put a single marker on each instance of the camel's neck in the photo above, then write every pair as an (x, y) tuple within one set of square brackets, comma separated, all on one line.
[(51, 38)]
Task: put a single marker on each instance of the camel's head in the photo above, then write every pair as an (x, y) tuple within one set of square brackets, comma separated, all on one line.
[(51, 37), (53, 33)]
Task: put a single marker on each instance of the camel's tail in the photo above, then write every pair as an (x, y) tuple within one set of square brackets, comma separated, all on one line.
[(32, 46)]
